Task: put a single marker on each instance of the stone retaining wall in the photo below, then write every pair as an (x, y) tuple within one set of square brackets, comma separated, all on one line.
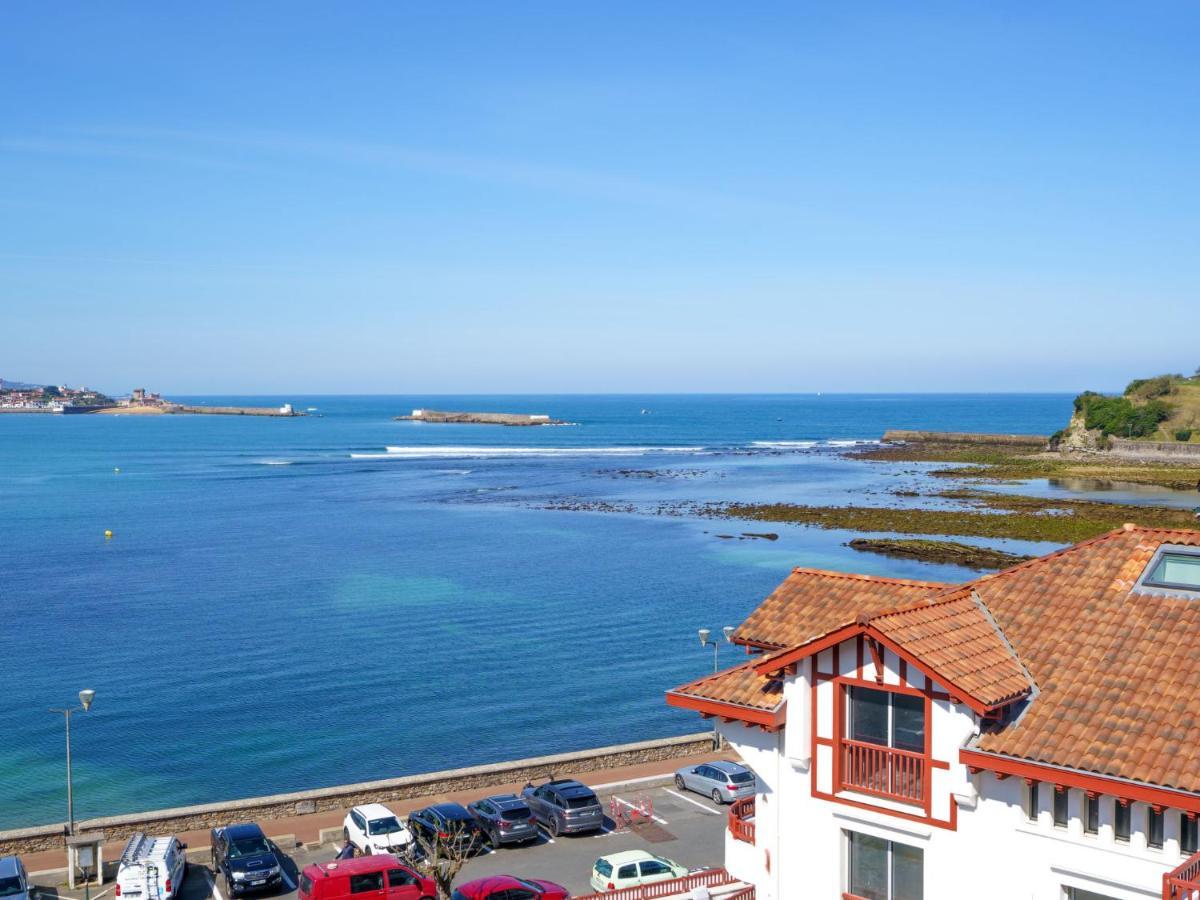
[(895, 435), (1180, 451), (281, 806)]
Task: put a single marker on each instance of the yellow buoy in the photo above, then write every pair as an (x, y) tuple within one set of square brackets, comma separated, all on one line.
[(107, 533)]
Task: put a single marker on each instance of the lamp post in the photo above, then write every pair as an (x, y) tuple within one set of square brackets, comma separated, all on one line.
[(85, 703), (705, 641)]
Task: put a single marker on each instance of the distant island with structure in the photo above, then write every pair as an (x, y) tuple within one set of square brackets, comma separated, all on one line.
[(478, 418), (21, 397)]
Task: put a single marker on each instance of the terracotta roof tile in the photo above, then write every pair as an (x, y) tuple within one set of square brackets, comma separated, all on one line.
[(741, 686), (811, 603)]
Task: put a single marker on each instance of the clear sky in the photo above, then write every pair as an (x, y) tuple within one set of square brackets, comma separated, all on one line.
[(417, 197)]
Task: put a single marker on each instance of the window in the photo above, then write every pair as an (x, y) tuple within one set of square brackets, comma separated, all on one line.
[(884, 870), (1091, 814), (1031, 801), (654, 867), (1154, 828), (401, 878), (1121, 821), (1060, 807), (887, 718), (1173, 569), (367, 881), (629, 871), (1187, 833)]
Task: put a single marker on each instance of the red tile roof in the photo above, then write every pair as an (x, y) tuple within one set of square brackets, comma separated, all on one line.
[(1112, 673)]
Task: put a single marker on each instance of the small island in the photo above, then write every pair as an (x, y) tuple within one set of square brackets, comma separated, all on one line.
[(478, 418)]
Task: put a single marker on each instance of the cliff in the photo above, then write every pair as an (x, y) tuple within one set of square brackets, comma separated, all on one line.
[(1163, 409)]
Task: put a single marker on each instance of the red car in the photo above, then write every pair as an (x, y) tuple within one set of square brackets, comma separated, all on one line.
[(509, 887), (380, 877)]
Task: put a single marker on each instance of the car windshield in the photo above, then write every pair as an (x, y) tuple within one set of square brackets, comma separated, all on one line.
[(517, 814), (580, 802), (388, 825), (741, 777), (251, 846), (536, 888), (10, 886)]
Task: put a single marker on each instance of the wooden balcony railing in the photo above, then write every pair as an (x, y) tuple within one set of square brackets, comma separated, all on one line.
[(1184, 882), (741, 819), (884, 771)]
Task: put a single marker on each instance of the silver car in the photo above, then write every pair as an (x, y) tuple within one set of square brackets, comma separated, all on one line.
[(565, 806), (723, 781)]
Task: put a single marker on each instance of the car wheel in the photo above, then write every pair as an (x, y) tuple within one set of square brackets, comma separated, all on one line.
[(716, 795), (679, 783), (553, 827), (229, 887), (345, 835), (494, 837)]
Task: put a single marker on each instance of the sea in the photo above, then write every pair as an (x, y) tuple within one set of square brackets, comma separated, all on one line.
[(288, 603)]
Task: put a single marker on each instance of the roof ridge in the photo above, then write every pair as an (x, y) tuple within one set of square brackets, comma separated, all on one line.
[(878, 579), (987, 614)]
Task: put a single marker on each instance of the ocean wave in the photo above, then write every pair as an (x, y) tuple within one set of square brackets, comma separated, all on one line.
[(274, 462), (784, 445), (855, 443), (504, 452)]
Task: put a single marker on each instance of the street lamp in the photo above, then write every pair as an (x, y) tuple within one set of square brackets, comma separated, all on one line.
[(85, 703), (705, 634)]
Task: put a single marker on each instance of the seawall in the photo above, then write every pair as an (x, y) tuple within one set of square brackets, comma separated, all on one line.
[(1171, 450), (282, 806), (896, 435)]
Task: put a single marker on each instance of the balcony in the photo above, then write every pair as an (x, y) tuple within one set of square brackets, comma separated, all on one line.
[(741, 820), (883, 771), (1184, 882)]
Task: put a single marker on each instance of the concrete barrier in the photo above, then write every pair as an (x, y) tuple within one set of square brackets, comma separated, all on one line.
[(1174, 450), (280, 806), (897, 435)]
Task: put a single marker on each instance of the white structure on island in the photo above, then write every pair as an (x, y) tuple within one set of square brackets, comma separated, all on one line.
[(1032, 734)]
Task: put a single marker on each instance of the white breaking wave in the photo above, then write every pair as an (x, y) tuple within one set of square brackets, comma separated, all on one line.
[(785, 445), (274, 462), (850, 443), (500, 452)]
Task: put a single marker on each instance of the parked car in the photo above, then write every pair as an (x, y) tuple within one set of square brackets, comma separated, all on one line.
[(565, 806), (14, 882), (509, 887), (379, 876), (242, 855), (373, 828), (505, 819), (721, 780), (449, 822), (151, 868), (632, 868)]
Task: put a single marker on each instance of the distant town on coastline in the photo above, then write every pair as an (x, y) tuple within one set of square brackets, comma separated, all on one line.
[(20, 397)]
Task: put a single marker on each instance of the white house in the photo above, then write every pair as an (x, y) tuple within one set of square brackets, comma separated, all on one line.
[(1031, 734)]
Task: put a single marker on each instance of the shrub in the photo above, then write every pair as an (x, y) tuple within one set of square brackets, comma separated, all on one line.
[(1183, 434), (1118, 416), (1149, 388)]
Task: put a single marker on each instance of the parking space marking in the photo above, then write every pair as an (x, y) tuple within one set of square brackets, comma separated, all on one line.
[(711, 812), (634, 806), (212, 886)]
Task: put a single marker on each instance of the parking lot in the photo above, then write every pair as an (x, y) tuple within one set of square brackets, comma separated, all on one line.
[(685, 827)]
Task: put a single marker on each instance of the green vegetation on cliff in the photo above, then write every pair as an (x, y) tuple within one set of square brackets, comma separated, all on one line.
[(1162, 408)]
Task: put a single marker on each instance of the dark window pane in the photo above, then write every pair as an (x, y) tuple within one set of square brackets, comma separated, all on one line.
[(868, 866), (908, 872), (1060, 808), (400, 878), (654, 867), (1031, 801), (1154, 828), (908, 722), (629, 871), (1091, 814), (1121, 821), (1187, 833), (367, 881), (869, 716), (741, 777)]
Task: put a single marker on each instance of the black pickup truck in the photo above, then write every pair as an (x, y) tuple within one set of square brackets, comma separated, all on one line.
[(245, 859)]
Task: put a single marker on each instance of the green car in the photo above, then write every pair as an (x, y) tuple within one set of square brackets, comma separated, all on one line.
[(631, 868)]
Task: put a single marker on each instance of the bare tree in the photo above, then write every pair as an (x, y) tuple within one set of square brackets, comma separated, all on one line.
[(440, 855)]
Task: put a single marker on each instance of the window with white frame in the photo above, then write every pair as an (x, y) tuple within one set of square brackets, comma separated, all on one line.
[(887, 718), (1031, 800), (879, 869), (1091, 814)]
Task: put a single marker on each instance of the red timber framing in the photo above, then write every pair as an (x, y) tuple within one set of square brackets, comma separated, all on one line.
[(1183, 883), (766, 719), (914, 786), (1124, 791)]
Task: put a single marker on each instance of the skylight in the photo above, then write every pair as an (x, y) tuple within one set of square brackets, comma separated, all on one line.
[(1175, 570)]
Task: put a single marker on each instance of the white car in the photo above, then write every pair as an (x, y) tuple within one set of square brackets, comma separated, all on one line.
[(373, 828), (151, 868), (631, 868)]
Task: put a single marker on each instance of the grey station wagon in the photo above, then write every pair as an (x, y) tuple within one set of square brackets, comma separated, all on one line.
[(723, 781), (505, 819), (565, 806)]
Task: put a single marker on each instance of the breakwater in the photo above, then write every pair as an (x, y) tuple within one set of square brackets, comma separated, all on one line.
[(478, 418), (896, 436)]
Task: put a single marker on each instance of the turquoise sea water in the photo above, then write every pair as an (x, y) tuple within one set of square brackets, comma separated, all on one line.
[(286, 604)]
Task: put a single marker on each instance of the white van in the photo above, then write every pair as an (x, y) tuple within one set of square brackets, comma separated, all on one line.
[(151, 868)]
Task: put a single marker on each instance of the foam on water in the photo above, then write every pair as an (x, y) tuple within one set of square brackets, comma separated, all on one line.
[(495, 452)]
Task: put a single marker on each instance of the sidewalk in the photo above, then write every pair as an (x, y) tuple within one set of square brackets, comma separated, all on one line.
[(307, 829)]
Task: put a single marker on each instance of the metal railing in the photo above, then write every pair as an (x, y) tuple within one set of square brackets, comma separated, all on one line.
[(884, 771), (741, 819), (671, 887)]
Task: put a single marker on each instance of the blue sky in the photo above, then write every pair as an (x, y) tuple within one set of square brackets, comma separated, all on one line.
[(494, 197)]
